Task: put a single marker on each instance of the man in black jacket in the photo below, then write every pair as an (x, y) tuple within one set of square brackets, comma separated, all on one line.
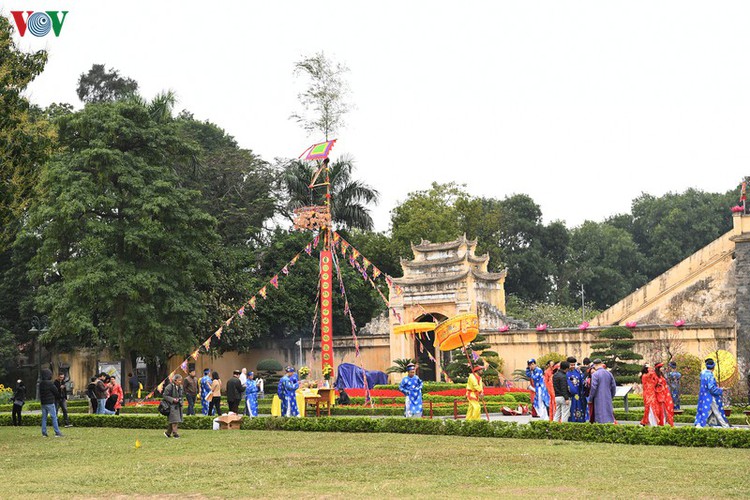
[(19, 398), (62, 398), (562, 393), (234, 392), (48, 393), (92, 395)]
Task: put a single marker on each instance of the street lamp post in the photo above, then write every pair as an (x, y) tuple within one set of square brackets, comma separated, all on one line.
[(38, 327)]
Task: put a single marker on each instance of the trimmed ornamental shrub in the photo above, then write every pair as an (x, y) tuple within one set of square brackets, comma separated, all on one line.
[(595, 433), (269, 371), (615, 348), (687, 418)]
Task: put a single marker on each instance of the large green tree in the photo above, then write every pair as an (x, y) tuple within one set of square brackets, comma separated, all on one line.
[(430, 215), (102, 85), (26, 140), (26, 137), (606, 261), (122, 249), (669, 228)]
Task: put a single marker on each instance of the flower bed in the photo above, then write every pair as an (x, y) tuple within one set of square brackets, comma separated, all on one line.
[(488, 391)]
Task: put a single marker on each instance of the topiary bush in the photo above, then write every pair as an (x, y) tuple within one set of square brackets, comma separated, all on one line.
[(269, 369), (615, 349)]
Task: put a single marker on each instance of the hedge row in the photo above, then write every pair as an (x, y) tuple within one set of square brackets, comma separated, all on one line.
[(34, 405), (505, 398), (634, 416), (598, 433)]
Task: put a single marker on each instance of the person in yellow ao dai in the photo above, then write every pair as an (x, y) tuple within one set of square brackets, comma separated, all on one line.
[(474, 389)]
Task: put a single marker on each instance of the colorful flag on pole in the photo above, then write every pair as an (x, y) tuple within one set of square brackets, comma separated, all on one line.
[(316, 240), (241, 311), (285, 270), (355, 253), (184, 366), (207, 343), (336, 238), (294, 260), (366, 263), (308, 249), (195, 353), (275, 281), (344, 247), (262, 292), (252, 302), (375, 272), (218, 332)]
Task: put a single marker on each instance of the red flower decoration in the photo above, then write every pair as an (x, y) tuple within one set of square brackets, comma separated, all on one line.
[(542, 327), (583, 326), (503, 328), (631, 324), (737, 209), (679, 323)]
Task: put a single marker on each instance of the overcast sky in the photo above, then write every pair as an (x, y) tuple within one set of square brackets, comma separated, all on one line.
[(582, 105)]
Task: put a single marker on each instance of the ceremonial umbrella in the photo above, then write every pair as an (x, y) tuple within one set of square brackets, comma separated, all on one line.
[(457, 331), (417, 327)]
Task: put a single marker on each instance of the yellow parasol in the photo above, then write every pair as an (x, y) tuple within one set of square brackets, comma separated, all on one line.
[(726, 366), (412, 328), (456, 331)]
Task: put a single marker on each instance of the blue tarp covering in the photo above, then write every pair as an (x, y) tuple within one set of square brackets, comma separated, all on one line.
[(350, 376)]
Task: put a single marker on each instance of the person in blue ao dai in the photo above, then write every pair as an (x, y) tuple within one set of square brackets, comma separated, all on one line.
[(411, 386), (287, 392)]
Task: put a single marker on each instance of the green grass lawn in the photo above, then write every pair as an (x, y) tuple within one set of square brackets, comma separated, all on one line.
[(93, 462)]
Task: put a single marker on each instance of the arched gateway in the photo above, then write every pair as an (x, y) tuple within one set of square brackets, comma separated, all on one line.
[(443, 280)]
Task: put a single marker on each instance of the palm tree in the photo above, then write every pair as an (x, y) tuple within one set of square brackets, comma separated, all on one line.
[(400, 365), (160, 107), (349, 197)]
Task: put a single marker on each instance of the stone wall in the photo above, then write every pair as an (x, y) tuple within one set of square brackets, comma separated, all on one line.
[(742, 281), (701, 288)]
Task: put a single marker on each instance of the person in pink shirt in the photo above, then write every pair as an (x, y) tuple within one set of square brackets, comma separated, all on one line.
[(116, 390)]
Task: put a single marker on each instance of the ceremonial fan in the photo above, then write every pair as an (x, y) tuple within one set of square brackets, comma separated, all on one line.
[(726, 367)]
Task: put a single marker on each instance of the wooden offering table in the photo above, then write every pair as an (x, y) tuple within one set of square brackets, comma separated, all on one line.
[(319, 398)]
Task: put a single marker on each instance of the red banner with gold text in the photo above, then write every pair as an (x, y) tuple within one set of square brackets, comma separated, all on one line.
[(326, 310)]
